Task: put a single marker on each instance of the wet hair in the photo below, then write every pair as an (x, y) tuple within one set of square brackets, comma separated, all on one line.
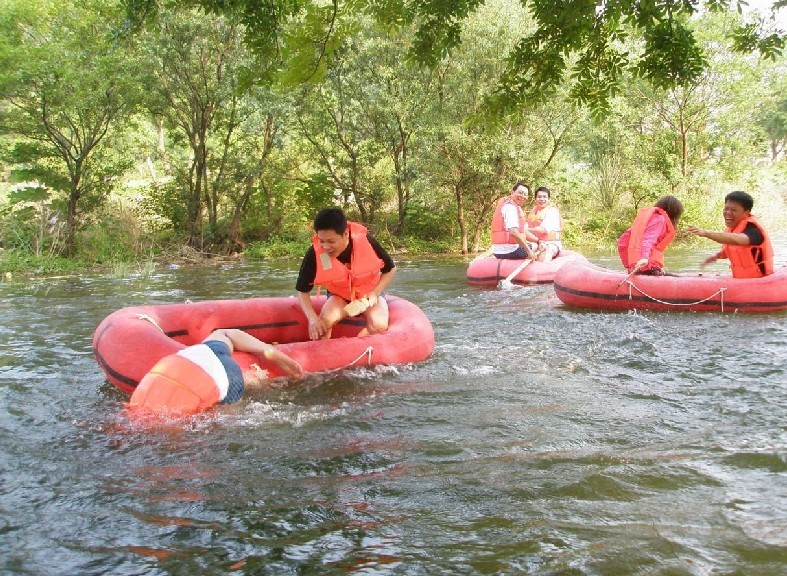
[(520, 183), (672, 206), (741, 198), (544, 189), (331, 219)]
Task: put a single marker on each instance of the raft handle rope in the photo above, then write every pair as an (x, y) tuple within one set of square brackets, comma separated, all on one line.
[(151, 320), (367, 353), (720, 291)]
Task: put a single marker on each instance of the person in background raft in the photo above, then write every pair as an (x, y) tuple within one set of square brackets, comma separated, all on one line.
[(205, 374), (642, 246), (545, 222), (745, 242), (352, 266), (509, 227)]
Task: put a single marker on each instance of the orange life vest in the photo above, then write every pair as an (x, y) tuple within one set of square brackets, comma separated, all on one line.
[(500, 234), (744, 259), (182, 383), (360, 278), (536, 217), (638, 227)]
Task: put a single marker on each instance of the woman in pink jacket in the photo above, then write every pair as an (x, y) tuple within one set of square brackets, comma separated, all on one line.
[(642, 246)]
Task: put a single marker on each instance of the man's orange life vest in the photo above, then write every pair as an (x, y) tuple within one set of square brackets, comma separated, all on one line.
[(745, 259), (637, 233), (500, 234), (363, 273), (187, 382), (536, 216)]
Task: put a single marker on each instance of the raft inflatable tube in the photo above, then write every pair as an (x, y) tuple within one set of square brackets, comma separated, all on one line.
[(585, 285), (489, 271), (128, 342)]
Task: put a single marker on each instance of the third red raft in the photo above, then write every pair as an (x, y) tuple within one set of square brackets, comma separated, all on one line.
[(585, 285)]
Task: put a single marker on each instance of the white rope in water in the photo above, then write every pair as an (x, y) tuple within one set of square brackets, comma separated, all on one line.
[(719, 291)]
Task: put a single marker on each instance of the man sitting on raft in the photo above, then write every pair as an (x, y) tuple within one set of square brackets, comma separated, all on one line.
[(745, 242), (353, 267), (509, 227), (203, 375)]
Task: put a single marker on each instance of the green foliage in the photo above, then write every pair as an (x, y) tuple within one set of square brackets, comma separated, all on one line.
[(66, 81), (595, 43), (115, 235), (415, 245), (316, 191), (751, 37), (166, 205), (275, 247), (21, 261), (429, 223), (672, 56), (31, 220)]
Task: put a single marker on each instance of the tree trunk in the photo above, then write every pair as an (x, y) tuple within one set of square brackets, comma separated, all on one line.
[(402, 184), (234, 235), (460, 216), (74, 194), (194, 208)]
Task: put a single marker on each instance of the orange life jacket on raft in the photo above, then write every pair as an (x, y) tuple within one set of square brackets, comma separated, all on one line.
[(500, 234), (187, 382), (634, 251), (363, 273), (745, 260), (536, 216)]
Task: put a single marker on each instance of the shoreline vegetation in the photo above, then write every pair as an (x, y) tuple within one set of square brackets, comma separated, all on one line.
[(16, 266), (123, 245)]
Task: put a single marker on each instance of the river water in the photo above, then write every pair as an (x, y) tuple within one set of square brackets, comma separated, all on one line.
[(536, 440)]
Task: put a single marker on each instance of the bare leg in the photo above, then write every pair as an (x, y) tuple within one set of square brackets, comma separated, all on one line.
[(376, 318), (332, 312), (548, 254)]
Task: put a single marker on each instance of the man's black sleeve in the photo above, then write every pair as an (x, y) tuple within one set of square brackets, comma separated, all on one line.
[(388, 263), (754, 234), (308, 271)]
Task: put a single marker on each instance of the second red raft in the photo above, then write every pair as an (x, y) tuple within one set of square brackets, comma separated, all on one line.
[(489, 271)]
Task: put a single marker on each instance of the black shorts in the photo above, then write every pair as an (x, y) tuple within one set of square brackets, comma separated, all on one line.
[(232, 368)]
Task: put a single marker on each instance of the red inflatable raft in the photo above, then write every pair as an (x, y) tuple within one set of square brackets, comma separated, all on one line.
[(585, 285), (489, 271), (130, 341)]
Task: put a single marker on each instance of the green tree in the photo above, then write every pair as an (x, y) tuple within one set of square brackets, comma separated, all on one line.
[(66, 82), (363, 119), (774, 122), (581, 42), (194, 67)]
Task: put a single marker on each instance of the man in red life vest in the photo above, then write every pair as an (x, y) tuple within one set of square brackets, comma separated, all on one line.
[(352, 266), (205, 374), (745, 242), (510, 236)]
